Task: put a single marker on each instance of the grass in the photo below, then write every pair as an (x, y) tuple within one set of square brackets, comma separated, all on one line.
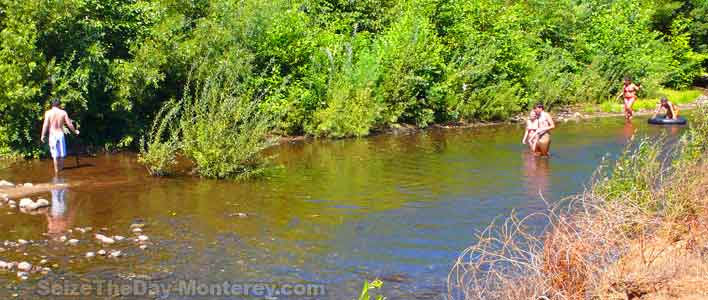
[(640, 230), (678, 97)]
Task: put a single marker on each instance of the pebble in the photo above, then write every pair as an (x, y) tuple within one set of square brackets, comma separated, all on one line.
[(104, 239), (3, 265), (137, 230), (101, 252), (143, 238), (11, 202), (143, 247), (43, 262), (73, 242), (24, 266), (26, 203), (28, 184), (41, 203), (137, 225), (22, 242), (115, 253), (46, 270), (5, 183), (90, 254), (22, 275), (63, 238), (118, 238)]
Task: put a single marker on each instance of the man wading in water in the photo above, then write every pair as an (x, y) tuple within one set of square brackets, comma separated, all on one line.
[(543, 132), (54, 120), (629, 91)]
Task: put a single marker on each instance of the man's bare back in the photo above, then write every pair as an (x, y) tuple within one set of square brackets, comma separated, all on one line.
[(54, 121)]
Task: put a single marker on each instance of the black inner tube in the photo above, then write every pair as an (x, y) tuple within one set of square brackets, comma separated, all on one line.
[(662, 120)]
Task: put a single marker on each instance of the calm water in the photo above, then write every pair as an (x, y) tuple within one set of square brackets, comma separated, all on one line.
[(337, 212)]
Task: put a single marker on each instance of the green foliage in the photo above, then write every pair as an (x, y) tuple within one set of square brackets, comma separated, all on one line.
[(333, 68), (370, 286), (634, 175)]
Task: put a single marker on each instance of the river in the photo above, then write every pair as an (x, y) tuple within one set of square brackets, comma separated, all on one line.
[(334, 212)]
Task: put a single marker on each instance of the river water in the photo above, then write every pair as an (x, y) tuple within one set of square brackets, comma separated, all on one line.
[(335, 212)]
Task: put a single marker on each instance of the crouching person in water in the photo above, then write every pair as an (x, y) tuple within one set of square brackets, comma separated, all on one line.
[(54, 121), (672, 110)]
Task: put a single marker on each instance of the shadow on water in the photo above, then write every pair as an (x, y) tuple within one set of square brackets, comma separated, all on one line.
[(398, 207)]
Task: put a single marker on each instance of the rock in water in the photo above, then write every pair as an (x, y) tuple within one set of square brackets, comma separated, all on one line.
[(26, 203), (143, 238), (3, 265), (90, 254), (73, 242), (115, 253), (101, 252), (28, 184), (42, 203), (137, 230), (118, 238), (24, 266), (4, 183), (104, 239)]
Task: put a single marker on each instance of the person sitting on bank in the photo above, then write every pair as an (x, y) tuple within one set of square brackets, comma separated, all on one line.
[(672, 110)]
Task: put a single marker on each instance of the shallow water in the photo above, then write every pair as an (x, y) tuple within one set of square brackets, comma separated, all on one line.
[(397, 207)]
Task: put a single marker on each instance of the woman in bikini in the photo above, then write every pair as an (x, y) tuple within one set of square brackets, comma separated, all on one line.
[(530, 138), (630, 96)]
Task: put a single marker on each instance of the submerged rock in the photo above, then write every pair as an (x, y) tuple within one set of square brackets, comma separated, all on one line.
[(26, 203), (104, 239), (137, 225), (5, 183), (22, 275), (24, 266), (42, 203)]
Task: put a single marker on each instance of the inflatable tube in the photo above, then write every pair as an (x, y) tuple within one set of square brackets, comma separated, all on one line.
[(662, 120)]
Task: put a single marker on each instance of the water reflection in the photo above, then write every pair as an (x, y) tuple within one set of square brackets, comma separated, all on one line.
[(58, 218), (627, 131), (537, 174)]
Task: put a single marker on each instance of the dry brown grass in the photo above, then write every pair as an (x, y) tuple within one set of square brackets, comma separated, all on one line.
[(596, 249)]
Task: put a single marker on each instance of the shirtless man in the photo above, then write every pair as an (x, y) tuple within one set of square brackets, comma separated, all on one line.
[(543, 132), (629, 91), (54, 121)]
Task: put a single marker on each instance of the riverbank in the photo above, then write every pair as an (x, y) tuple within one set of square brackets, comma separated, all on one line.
[(563, 114), (638, 232)]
